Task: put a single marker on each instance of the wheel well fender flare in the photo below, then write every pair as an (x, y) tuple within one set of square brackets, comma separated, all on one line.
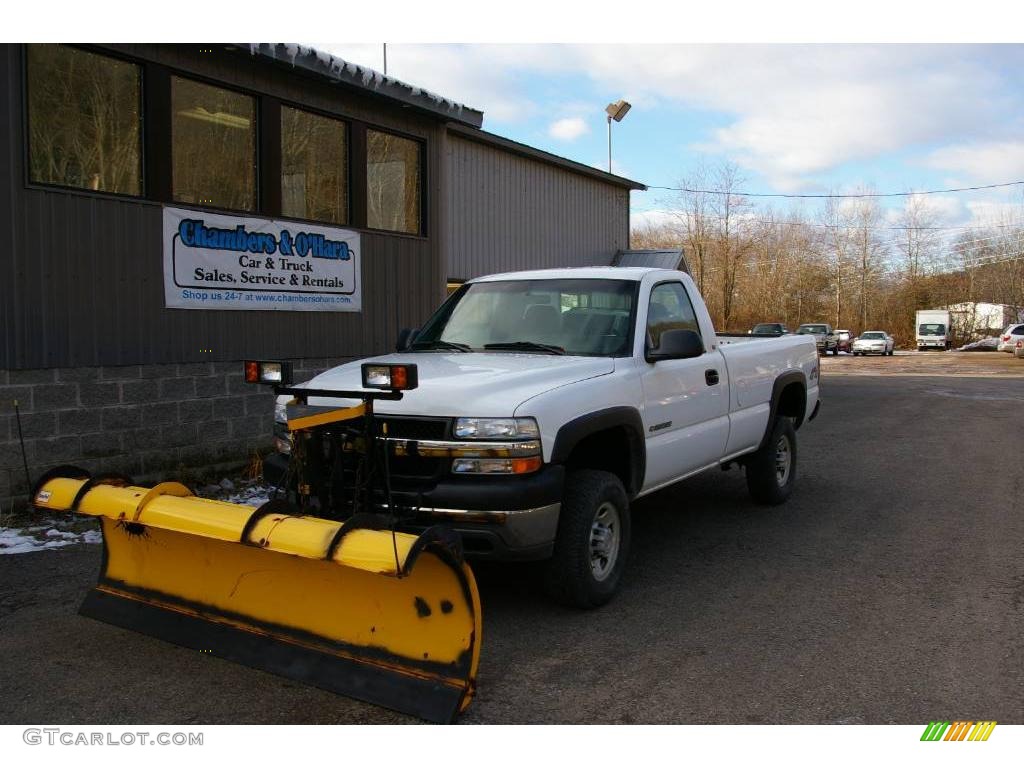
[(573, 432), (781, 383)]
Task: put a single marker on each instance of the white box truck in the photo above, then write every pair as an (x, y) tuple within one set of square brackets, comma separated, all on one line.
[(933, 330)]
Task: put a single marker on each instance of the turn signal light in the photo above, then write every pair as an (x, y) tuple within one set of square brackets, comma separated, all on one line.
[(523, 466)]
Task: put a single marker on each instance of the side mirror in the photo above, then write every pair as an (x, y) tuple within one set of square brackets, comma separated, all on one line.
[(677, 344), (406, 337)]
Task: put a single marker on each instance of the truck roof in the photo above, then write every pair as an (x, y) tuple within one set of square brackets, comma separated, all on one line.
[(606, 273)]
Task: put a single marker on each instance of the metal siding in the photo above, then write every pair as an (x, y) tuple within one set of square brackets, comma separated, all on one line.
[(87, 289), (509, 212)]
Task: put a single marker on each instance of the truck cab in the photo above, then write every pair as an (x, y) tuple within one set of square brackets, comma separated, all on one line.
[(933, 329)]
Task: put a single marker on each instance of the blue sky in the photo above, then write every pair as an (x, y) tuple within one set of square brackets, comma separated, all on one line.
[(796, 119)]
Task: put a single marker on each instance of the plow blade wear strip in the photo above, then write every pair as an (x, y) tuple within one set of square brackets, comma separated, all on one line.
[(392, 619)]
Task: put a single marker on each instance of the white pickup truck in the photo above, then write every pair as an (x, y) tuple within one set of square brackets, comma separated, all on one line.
[(548, 400)]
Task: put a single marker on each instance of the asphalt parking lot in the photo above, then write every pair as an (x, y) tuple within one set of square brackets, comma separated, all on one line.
[(890, 589)]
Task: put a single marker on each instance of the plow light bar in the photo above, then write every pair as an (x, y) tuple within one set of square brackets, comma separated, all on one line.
[(393, 377), (268, 372)]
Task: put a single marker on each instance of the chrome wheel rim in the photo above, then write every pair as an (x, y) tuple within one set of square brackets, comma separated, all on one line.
[(783, 461), (605, 535)]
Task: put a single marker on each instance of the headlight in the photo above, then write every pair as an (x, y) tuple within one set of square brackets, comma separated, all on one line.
[(489, 429)]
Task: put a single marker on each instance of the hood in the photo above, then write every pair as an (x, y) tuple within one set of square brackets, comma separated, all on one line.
[(468, 383)]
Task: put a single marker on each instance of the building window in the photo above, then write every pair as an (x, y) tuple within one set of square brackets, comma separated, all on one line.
[(393, 180), (314, 167), (213, 146), (83, 120)]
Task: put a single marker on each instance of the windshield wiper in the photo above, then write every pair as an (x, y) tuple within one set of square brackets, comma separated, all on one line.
[(531, 346), (442, 344)]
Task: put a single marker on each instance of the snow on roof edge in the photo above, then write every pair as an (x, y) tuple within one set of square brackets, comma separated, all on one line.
[(335, 68)]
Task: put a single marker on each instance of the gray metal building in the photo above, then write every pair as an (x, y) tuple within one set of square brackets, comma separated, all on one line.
[(100, 142)]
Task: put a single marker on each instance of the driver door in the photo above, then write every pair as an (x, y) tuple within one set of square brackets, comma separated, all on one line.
[(686, 402)]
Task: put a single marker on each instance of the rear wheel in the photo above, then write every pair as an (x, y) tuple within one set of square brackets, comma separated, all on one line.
[(771, 471), (592, 543)]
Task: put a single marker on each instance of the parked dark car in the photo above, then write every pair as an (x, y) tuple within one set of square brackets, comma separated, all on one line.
[(769, 329)]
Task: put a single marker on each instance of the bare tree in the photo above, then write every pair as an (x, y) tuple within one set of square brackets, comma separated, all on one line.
[(869, 250), (731, 246), (692, 211), (917, 243), (835, 243)]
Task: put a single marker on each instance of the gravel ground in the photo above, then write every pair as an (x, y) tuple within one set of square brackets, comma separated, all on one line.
[(889, 589)]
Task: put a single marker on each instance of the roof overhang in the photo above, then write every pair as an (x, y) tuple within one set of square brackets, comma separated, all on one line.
[(483, 137), (323, 65)]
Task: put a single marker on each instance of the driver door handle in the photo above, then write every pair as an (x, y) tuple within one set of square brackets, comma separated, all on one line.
[(711, 377)]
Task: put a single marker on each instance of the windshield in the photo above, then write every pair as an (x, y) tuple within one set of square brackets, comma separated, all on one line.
[(590, 317), (767, 328), (813, 329), (872, 335), (932, 329)]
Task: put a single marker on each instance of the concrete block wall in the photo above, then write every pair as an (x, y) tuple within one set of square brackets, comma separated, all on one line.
[(146, 421)]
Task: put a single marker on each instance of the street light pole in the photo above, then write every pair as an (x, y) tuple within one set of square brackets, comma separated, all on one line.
[(609, 143), (616, 111)]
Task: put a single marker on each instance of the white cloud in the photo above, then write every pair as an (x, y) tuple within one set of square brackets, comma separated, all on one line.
[(788, 112), (985, 163), (568, 128), (654, 218)]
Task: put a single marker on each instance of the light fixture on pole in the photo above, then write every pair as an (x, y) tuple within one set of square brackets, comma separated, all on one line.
[(616, 111)]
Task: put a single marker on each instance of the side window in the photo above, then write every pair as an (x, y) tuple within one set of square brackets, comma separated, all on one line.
[(1019, 330), (670, 310)]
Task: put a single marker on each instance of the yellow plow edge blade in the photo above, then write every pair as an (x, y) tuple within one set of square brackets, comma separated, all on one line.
[(392, 619)]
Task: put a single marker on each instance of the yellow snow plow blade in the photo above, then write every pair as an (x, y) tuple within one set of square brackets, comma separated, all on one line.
[(389, 618)]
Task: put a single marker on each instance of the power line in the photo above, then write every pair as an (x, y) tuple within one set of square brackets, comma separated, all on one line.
[(895, 227), (838, 196)]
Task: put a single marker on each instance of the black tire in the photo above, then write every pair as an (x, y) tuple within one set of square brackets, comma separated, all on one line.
[(765, 481), (572, 577)]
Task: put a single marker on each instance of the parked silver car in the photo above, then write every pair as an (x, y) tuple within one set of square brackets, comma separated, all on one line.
[(1008, 338), (874, 343)]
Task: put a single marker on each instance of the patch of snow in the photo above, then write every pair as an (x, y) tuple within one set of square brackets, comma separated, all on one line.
[(254, 495), (53, 535), (982, 345)]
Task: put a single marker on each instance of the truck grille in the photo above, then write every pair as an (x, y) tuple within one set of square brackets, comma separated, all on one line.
[(416, 428), (406, 469)]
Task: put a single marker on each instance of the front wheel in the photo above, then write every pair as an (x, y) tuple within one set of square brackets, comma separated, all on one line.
[(771, 471), (592, 543)]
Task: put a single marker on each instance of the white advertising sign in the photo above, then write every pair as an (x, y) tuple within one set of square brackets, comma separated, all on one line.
[(216, 261)]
